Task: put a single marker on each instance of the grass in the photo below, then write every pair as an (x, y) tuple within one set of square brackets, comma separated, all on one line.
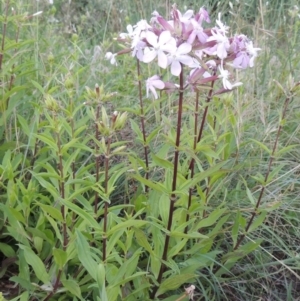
[(57, 56)]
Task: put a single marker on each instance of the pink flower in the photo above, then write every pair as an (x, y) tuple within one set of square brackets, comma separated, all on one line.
[(165, 42), (222, 44), (152, 83), (178, 57), (197, 32)]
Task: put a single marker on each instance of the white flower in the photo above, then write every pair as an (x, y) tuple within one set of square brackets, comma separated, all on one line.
[(224, 75), (165, 42), (112, 57), (252, 52), (179, 56), (220, 49), (152, 83)]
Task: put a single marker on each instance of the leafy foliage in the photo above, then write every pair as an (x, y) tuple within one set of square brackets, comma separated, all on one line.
[(84, 216)]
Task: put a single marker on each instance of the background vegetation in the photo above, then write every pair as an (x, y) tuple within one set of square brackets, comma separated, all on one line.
[(50, 158)]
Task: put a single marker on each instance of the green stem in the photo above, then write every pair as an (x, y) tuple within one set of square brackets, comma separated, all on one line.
[(106, 163)]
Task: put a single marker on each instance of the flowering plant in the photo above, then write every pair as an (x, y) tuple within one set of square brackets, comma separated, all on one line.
[(184, 41), (207, 55)]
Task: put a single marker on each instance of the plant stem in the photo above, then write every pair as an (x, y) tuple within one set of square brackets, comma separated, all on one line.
[(143, 124), (106, 163), (286, 103), (4, 33), (97, 155), (64, 230), (174, 185), (198, 139), (62, 192), (196, 115)]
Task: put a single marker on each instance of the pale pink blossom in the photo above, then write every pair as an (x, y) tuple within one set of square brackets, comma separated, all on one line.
[(180, 56), (222, 44), (164, 43), (153, 83), (224, 75)]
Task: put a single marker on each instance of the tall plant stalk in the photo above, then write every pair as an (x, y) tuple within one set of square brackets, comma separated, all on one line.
[(63, 213), (197, 139), (271, 160), (97, 154), (192, 169), (143, 123), (106, 166), (173, 196)]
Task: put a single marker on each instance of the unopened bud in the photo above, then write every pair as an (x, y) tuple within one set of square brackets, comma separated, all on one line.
[(120, 121), (103, 129), (91, 94), (51, 103), (50, 58), (97, 90), (69, 83), (53, 10), (74, 37)]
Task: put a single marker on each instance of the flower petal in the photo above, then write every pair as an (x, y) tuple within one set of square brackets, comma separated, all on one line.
[(152, 38), (149, 55), (164, 37), (184, 48), (175, 68), (162, 60)]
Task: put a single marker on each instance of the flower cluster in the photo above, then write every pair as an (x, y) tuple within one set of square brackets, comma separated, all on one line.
[(184, 41)]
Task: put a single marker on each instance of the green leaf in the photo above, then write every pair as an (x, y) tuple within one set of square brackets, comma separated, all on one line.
[(152, 134), (55, 213), (162, 162), (286, 149), (38, 86), (155, 186), (85, 256), (174, 282), (101, 281), (128, 268), (36, 263), (201, 176), (235, 228), (250, 196), (48, 141), (72, 286), (142, 240), (127, 224), (187, 235), (24, 125), (211, 218), (60, 257), (258, 221), (7, 250), (113, 241), (88, 217), (262, 146), (137, 130), (46, 184)]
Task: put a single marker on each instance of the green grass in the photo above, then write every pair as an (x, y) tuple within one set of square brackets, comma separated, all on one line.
[(54, 66)]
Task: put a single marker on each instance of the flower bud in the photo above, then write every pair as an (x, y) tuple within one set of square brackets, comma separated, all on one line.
[(103, 129), (120, 121), (51, 103), (50, 58), (69, 83), (74, 38)]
